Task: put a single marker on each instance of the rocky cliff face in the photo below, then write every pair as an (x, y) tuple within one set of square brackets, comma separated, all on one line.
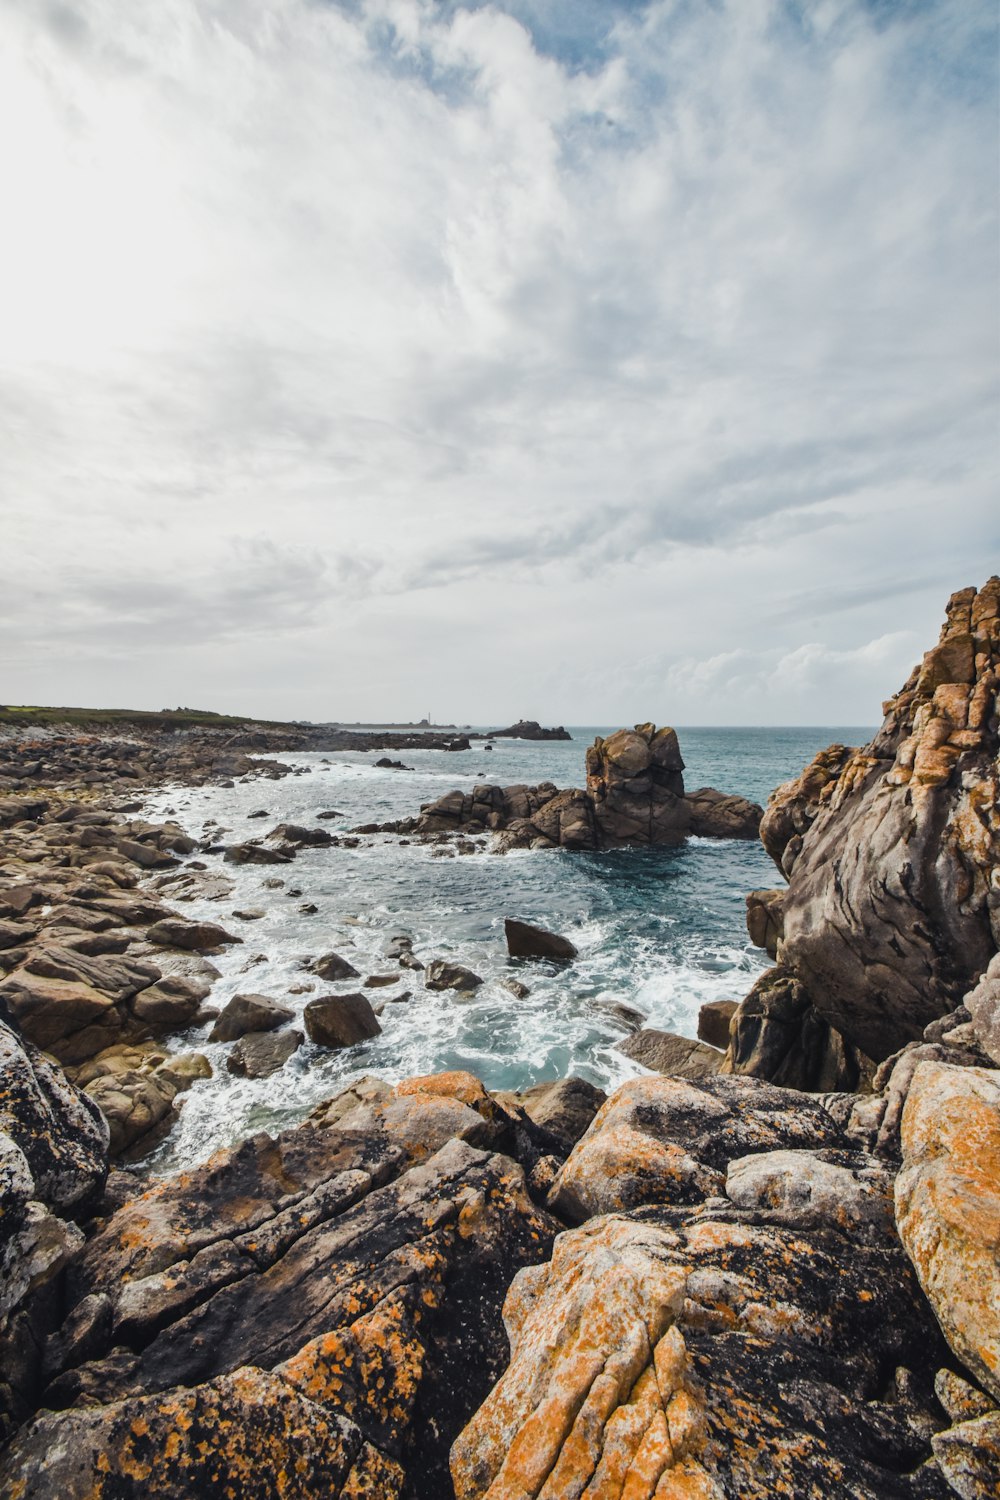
[(892, 851)]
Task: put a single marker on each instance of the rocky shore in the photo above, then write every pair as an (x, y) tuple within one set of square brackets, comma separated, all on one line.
[(772, 1269)]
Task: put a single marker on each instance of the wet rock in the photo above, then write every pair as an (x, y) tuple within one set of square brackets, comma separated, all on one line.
[(713, 1022), (340, 1020), (245, 1013), (526, 941), (170, 1004), (258, 1054), (777, 1034), (722, 815), (442, 975), (948, 1207), (381, 981), (193, 937), (293, 833), (331, 967), (516, 988), (665, 1052), (256, 854)]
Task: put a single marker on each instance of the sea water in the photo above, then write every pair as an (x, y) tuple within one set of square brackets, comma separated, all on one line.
[(659, 931)]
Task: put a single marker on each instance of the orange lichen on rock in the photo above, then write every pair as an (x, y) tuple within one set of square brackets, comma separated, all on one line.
[(948, 1206)]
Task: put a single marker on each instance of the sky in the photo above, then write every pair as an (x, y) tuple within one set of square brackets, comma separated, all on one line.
[(579, 360)]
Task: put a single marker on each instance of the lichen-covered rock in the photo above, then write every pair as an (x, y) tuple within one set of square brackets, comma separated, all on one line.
[(948, 1207), (310, 1315), (564, 1109), (670, 1140), (968, 1456), (892, 851), (710, 1356)]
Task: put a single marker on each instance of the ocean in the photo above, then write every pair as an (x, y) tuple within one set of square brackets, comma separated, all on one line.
[(659, 931)]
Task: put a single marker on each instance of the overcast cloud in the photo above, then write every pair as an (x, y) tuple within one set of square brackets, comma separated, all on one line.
[(588, 361)]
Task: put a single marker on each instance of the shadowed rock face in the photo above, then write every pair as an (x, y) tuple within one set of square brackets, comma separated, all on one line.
[(892, 851)]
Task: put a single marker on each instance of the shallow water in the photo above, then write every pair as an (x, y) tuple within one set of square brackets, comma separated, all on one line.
[(658, 930)]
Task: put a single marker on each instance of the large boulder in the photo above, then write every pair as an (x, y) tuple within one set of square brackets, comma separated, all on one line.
[(891, 851), (670, 1140), (340, 1020), (666, 1052), (526, 941), (722, 815), (948, 1206), (245, 1013), (778, 1034), (635, 780)]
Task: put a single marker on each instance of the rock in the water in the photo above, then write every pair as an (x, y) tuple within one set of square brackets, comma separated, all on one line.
[(665, 1052), (340, 1020), (256, 854), (525, 941), (331, 967), (722, 815), (441, 975), (635, 780), (244, 1013), (196, 937), (948, 1207), (258, 1054)]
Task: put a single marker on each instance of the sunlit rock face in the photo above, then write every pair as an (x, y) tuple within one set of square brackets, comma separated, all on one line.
[(892, 852)]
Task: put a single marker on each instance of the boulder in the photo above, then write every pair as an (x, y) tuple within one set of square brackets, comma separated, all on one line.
[(670, 1140), (968, 1456), (171, 1003), (722, 815), (292, 833), (635, 780), (256, 854), (441, 975), (525, 941), (714, 1019), (258, 1054), (331, 967), (138, 1106), (193, 937), (983, 1006), (564, 1109), (665, 1052), (948, 1207), (764, 919), (778, 1034), (340, 1020), (245, 1013)]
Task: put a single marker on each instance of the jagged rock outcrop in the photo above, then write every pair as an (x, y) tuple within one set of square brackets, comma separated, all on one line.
[(316, 1314), (892, 852), (634, 795)]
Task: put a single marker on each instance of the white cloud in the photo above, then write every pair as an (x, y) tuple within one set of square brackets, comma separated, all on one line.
[(565, 331)]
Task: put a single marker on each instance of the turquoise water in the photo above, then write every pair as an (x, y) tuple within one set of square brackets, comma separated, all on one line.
[(659, 931)]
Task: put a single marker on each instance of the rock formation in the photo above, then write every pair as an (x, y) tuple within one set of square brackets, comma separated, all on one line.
[(892, 855), (634, 795)]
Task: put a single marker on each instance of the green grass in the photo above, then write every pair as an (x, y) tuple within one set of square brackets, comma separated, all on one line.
[(24, 715)]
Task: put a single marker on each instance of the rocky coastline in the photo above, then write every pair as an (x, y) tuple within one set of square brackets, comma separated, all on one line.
[(768, 1267)]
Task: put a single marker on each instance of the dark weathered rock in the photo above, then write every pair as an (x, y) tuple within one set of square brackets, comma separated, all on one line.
[(722, 815), (565, 1109), (245, 1013), (293, 833), (714, 1019), (635, 780), (777, 1034), (340, 1020), (526, 941), (441, 975), (330, 966), (195, 937), (256, 854), (666, 1052), (258, 1054)]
